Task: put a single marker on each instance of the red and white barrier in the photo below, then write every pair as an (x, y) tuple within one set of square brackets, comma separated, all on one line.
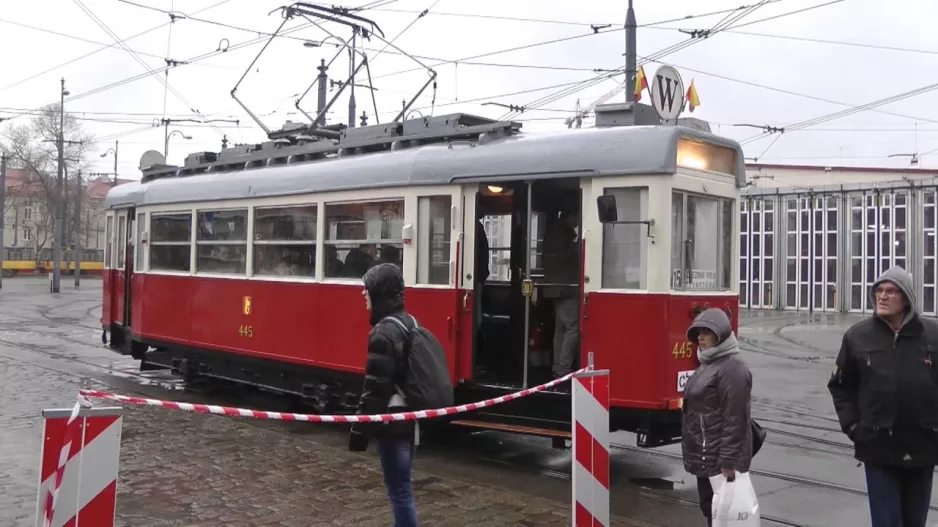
[(590, 465), (590, 423), (78, 471)]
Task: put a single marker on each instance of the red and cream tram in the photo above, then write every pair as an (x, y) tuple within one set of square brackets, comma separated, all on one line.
[(245, 265)]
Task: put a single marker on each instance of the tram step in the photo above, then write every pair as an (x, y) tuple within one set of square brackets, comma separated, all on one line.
[(518, 429)]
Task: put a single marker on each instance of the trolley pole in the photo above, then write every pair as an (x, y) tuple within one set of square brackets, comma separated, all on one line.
[(3, 201), (77, 251), (631, 53)]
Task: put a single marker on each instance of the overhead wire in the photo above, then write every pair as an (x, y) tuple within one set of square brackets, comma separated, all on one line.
[(140, 61), (844, 113), (104, 47), (601, 78), (672, 49)]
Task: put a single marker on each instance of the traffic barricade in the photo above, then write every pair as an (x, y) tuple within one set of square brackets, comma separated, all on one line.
[(79, 457), (91, 491)]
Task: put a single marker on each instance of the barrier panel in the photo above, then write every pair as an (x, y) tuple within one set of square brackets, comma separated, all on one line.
[(590, 464), (78, 468), (590, 423)]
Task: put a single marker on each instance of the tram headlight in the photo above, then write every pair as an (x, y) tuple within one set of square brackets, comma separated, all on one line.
[(689, 160)]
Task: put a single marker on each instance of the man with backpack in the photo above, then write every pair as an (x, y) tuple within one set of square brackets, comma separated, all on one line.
[(406, 371)]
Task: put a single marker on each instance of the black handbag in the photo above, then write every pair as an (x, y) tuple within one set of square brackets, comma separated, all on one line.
[(758, 436)]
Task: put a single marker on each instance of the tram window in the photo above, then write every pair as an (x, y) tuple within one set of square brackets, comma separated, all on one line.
[(222, 242), (170, 241), (434, 227), (108, 244), (285, 241), (140, 246), (121, 241), (624, 250), (701, 242), (361, 235), (726, 234)]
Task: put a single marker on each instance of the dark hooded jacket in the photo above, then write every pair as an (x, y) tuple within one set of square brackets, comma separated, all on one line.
[(716, 432), (885, 385), (387, 345)]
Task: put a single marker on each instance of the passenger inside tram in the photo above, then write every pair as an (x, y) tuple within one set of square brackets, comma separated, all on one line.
[(529, 299)]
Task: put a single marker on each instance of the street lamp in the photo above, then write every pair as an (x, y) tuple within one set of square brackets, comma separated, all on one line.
[(114, 150), (166, 145)]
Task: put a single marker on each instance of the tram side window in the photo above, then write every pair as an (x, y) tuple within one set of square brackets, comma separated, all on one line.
[(361, 235), (121, 241), (139, 256), (170, 241), (222, 242), (285, 241), (701, 242), (108, 243), (624, 249), (434, 226)]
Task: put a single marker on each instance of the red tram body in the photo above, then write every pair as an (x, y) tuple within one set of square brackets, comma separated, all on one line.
[(230, 266)]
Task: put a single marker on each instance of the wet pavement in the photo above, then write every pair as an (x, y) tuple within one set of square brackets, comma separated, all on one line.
[(192, 469)]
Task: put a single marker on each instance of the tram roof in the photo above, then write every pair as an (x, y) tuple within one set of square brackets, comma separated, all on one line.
[(616, 150)]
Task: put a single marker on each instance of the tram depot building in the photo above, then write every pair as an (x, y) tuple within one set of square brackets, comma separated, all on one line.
[(814, 238)]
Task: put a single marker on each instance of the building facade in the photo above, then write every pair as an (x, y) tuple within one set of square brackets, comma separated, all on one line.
[(29, 217), (816, 238)]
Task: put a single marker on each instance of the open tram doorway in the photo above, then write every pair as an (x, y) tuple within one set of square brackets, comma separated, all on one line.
[(531, 255)]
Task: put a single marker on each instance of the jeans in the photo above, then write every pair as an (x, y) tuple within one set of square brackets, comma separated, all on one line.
[(705, 493), (397, 457), (899, 497)]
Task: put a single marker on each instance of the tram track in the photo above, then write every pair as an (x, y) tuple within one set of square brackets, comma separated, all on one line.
[(791, 478)]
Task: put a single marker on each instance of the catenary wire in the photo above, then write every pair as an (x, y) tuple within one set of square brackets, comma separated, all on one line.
[(590, 83), (601, 78), (86, 55), (143, 64)]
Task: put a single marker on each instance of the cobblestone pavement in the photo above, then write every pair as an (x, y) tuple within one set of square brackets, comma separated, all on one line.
[(180, 468)]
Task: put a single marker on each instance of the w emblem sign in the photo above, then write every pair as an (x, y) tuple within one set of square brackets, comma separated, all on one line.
[(667, 93)]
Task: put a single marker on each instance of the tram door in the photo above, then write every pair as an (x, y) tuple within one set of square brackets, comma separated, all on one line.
[(533, 260)]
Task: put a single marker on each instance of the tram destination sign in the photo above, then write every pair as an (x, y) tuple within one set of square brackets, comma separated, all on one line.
[(667, 93)]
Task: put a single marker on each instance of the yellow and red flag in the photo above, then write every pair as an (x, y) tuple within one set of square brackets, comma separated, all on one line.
[(692, 99), (641, 83)]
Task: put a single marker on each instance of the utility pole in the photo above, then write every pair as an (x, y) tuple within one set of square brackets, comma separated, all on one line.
[(3, 201), (323, 82), (59, 201), (116, 144), (351, 99), (631, 53), (77, 242)]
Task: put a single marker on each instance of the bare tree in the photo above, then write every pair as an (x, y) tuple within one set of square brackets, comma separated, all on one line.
[(32, 146)]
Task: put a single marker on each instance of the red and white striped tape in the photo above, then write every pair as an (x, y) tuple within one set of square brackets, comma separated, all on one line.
[(590, 470), (315, 418), (71, 434)]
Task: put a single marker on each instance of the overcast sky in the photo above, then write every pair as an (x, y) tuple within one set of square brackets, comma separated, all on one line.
[(767, 73)]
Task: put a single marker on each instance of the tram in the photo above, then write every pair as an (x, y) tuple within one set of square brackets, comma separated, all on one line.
[(246, 264)]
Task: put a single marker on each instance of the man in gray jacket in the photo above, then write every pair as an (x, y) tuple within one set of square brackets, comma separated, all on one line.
[(885, 391), (716, 435)]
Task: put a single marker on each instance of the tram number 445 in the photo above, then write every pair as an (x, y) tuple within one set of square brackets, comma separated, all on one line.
[(246, 331), (683, 350)]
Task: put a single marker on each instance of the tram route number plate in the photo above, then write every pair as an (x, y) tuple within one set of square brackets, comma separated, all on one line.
[(682, 377)]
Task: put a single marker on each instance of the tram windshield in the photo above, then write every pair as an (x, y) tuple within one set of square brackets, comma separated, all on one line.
[(701, 242)]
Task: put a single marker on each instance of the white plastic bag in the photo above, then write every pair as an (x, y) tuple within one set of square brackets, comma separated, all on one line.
[(734, 502)]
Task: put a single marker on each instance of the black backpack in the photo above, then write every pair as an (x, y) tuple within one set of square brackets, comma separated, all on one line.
[(426, 385)]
